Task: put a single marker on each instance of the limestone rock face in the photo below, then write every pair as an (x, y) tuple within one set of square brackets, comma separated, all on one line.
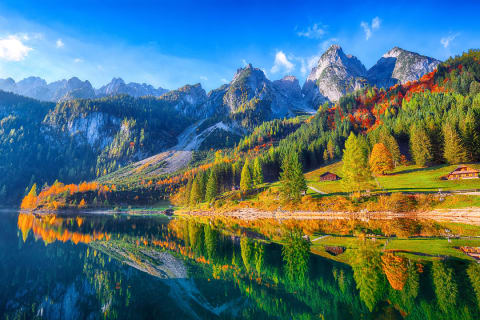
[(400, 66), (250, 89), (189, 100), (335, 75)]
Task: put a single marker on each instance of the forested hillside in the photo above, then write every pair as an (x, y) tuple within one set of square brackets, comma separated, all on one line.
[(29, 155), (79, 140), (430, 121)]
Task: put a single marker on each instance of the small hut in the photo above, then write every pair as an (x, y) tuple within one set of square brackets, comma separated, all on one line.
[(329, 176), (463, 172)]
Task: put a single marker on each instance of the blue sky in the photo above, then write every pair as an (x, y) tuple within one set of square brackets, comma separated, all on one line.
[(172, 43)]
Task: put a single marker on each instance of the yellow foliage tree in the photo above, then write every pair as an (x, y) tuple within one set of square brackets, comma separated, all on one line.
[(381, 159), (395, 269), (82, 204), (30, 200)]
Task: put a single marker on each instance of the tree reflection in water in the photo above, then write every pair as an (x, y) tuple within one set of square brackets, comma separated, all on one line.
[(239, 276)]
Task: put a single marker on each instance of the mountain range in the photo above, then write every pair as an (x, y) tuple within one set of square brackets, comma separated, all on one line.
[(337, 73), (78, 132), (74, 88), (334, 75)]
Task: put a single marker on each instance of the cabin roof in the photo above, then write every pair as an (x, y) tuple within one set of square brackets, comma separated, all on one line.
[(464, 169), (327, 173)]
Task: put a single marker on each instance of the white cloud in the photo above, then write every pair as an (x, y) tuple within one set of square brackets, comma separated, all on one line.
[(282, 63), (59, 43), (13, 49), (307, 63), (445, 41), (77, 60), (224, 80), (369, 28), (203, 78), (314, 32)]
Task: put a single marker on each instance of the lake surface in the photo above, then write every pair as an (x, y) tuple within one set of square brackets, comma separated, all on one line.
[(136, 267)]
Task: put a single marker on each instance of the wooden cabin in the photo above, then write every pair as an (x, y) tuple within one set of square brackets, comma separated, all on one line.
[(463, 172), (329, 176)]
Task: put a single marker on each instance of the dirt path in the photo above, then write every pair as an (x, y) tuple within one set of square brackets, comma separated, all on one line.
[(316, 190)]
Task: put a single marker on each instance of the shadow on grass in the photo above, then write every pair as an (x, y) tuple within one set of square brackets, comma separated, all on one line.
[(419, 169), (319, 195)]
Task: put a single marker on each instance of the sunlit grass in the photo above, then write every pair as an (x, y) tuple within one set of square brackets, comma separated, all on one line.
[(421, 249)]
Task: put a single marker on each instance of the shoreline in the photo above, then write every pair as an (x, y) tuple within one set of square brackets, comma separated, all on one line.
[(466, 215)]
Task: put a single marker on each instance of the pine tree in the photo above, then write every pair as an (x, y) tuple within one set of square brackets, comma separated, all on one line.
[(381, 159), (420, 146), (292, 180), (246, 177), (196, 193), (325, 156), (257, 172), (453, 151), (203, 178), (356, 171), (471, 135), (331, 149), (188, 191), (392, 145), (212, 186)]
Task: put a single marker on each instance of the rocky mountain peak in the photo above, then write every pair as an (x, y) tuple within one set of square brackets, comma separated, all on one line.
[(394, 52), (118, 86), (334, 75), (400, 66)]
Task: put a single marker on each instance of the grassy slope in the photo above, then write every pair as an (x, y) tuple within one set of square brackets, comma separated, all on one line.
[(415, 248), (402, 179)]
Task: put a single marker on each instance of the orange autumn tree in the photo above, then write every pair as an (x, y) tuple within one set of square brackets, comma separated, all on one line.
[(381, 160), (395, 269), (82, 204), (30, 200)]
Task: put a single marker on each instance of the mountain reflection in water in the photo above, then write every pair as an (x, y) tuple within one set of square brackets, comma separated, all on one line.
[(127, 267)]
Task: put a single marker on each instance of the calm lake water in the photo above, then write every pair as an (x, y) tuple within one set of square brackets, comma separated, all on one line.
[(127, 267)]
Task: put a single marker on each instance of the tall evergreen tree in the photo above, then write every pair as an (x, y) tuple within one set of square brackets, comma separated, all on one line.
[(246, 182), (325, 156), (257, 172), (453, 150), (212, 186), (420, 146), (292, 180), (356, 171), (392, 145), (471, 134), (331, 149), (188, 191), (196, 193)]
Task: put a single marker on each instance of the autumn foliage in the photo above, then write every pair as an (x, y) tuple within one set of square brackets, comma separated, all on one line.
[(395, 269), (54, 197), (381, 159)]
